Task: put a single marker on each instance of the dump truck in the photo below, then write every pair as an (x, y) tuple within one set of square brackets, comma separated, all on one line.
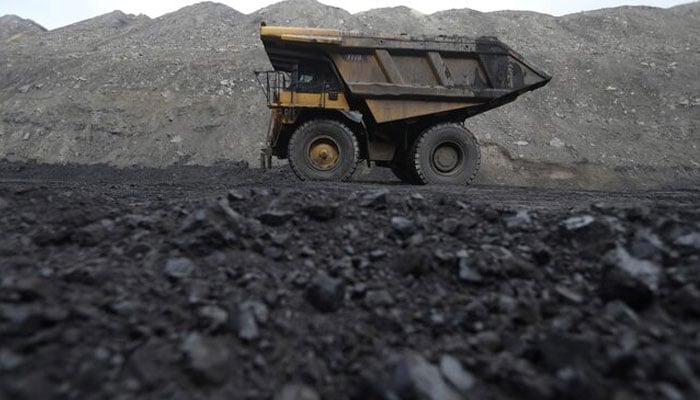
[(340, 97)]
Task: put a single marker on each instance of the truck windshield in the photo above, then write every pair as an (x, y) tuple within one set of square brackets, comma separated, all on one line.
[(315, 77)]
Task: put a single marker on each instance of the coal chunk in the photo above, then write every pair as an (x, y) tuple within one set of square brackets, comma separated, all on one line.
[(569, 295), (688, 299), (691, 240), (413, 377), (377, 255), (9, 360), (94, 233), (577, 223), (455, 374), (592, 235), (415, 262), (150, 362), (541, 254), (403, 226), (647, 246), (629, 279), (520, 219), (235, 195), (374, 199), (275, 217), (468, 271), (321, 212), (250, 313), (379, 298), (196, 220), (213, 316), (620, 312), (207, 358), (325, 293), (297, 391), (179, 268)]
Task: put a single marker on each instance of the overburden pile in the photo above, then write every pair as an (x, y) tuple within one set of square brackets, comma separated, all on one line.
[(621, 112)]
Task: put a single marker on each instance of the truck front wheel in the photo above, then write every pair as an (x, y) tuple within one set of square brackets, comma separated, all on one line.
[(446, 154), (323, 150)]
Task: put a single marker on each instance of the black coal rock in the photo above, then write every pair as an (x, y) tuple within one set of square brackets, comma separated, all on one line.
[(378, 298), (569, 295), (647, 246), (415, 378), (179, 268), (275, 217), (691, 240), (620, 312), (376, 255), (213, 316), (150, 362), (577, 223), (297, 391), (9, 360), (322, 212), (195, 220), (250, 314), (415, 262), (207, 359), (374, 199), (520, 219), (688, 299), (455, 374), (326, 294), (468, 272), (541, 254), (94, 233), (403, 226), (236, 195), (629, 279)]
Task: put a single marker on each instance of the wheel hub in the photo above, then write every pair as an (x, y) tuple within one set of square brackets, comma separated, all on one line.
[(446, 157), (324, 154)]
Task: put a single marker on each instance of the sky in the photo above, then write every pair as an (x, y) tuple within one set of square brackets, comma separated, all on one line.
[(56, 13)]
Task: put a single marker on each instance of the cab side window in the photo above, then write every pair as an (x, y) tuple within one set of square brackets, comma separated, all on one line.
[(315, 77)]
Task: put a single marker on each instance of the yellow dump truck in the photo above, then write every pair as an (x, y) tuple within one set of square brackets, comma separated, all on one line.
[(338, 98)]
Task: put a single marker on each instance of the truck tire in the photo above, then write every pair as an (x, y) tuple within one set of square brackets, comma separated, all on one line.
[(446, 154), (402, 168), (323, 150)]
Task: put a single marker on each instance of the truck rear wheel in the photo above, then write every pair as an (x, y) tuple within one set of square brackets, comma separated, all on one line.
[(446, 154), (323, 150)]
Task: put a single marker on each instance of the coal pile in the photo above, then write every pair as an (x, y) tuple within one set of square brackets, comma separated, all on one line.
[(228, 283), (125, 90)]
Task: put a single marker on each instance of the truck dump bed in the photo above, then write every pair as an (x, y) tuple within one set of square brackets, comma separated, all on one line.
[(403, 77)]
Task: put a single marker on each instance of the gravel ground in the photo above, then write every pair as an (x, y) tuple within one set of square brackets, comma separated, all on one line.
[(230, 283)]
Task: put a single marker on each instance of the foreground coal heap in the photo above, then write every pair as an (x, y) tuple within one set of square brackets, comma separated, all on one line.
[(621, 112), (227, 283)]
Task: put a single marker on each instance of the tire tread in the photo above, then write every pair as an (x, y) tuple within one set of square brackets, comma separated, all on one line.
[(298, 133), (423, 137)]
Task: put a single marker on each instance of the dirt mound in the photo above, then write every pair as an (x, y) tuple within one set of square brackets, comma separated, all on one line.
[(203, 26), (11, 26), (397, 20), (127, 90), (114, 21), (303, 13)]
